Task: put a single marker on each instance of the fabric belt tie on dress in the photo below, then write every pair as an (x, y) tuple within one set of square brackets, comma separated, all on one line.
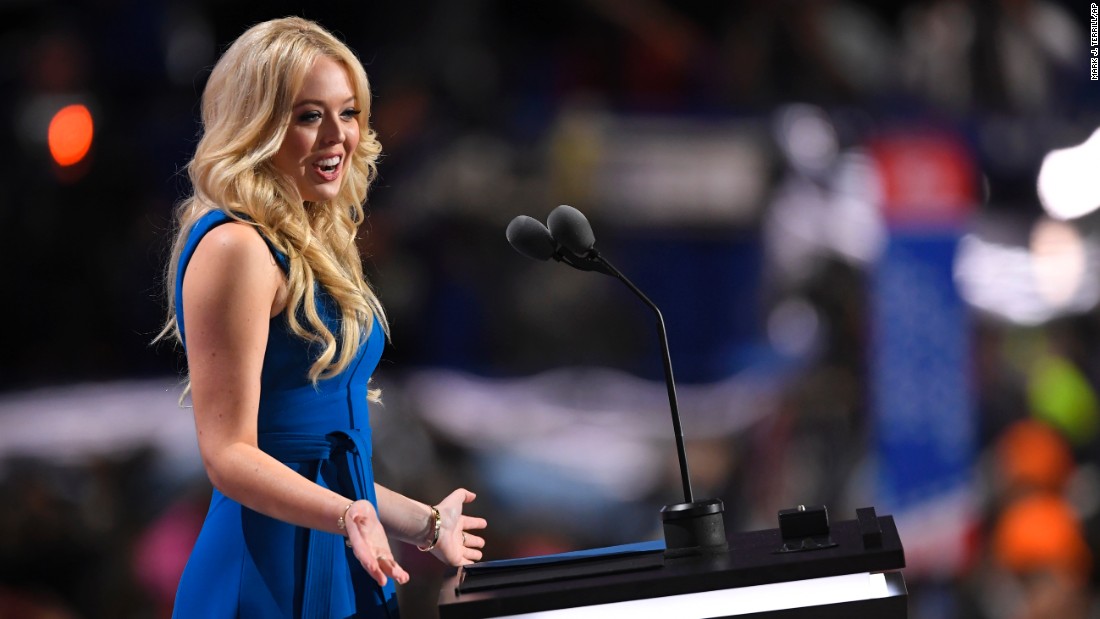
[(345, 450)]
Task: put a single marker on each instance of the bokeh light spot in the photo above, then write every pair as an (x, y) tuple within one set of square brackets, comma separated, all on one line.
[(70, 134)]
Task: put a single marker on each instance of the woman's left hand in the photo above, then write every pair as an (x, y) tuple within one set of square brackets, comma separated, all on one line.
[(457, 545)]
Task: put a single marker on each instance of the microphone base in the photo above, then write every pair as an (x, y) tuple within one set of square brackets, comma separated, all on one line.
[(694, 528)]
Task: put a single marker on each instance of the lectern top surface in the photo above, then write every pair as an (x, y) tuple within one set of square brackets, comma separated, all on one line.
[(754, 558)]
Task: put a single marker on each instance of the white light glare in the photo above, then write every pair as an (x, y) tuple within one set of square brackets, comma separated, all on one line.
[(1055, 276), (1067, 185)]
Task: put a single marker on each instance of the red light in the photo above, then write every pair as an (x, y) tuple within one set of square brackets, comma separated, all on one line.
[(70, 134)]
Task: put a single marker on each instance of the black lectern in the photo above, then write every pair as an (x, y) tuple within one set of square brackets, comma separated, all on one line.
[(805, 568), (848, 569)]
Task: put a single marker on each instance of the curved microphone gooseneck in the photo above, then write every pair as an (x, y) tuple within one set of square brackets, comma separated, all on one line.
[(691, 527), (572, 229)]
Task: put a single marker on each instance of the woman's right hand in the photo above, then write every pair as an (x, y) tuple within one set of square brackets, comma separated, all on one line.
[(370, 544)]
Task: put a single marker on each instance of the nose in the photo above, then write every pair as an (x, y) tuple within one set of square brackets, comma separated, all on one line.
[(332, 131)]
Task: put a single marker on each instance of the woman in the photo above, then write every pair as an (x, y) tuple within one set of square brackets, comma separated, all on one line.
[(267, 295)]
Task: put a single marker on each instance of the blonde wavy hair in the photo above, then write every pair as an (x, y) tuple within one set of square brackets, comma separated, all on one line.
[(246, 111)]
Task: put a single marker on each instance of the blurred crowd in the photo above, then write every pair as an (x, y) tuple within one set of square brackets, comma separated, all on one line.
[(709, 142)]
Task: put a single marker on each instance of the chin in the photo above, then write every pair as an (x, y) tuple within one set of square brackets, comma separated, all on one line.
[(317, 194)]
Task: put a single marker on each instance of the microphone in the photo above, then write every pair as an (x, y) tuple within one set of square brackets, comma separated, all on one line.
[(571, 228), (691, 527), (529, 237)]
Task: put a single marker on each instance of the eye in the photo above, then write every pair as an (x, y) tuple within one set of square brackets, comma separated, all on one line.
[(350, 113), (309, 116)]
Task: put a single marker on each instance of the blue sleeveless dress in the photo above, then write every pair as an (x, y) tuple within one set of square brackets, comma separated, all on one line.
[(245, 564)]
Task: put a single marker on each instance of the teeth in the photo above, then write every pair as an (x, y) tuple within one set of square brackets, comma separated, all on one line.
[(330, 162)]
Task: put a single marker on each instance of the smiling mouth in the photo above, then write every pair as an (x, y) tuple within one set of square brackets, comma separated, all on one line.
[(329, 168)]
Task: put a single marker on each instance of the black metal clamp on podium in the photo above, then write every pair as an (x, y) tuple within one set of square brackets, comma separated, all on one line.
[(805, 528), (692, 527)]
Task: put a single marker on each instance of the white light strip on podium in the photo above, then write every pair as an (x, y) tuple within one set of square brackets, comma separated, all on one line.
[(736, 601)]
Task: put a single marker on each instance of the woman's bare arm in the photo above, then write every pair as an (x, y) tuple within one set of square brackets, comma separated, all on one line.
[(412, 521), (231, 289)]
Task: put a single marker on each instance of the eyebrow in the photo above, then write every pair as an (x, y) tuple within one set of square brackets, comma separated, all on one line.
[(320, 103)]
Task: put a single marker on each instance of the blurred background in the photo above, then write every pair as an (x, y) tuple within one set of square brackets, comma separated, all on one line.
[(869, 226)]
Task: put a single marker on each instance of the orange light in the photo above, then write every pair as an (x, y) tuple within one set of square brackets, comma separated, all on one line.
[(70, 134)]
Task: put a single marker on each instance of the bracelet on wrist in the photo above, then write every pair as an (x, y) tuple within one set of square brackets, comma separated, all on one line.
[(433, 530), (342, 525)]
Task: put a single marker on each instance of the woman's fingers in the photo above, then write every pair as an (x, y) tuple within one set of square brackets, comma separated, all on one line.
[(364, 551), (370, 546), (390, 566), (458, 497), (473, 541), (472, 545), (379, 563), (375, 570), (458, 545), (473, 523)]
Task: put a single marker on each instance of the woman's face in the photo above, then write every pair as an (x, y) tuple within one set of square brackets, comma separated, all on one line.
[(323, 132)]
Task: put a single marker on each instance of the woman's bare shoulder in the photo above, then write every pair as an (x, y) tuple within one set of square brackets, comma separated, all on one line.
[(233, 261), (235, 242)]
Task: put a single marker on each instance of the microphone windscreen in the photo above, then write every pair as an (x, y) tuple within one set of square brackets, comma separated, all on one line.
[(571, 229), (529, 237)]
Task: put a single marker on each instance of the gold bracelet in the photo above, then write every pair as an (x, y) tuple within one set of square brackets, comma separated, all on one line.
[(340, 523), (435, 526)]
